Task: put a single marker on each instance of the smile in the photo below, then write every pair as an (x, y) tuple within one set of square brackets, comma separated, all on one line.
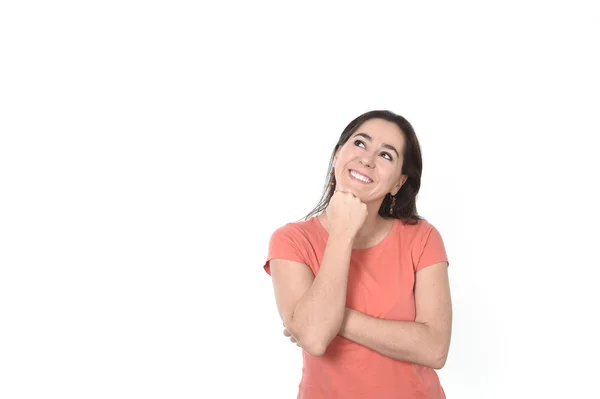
[(361, 178)]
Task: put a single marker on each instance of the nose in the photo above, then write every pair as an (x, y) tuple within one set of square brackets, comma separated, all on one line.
[(367, 159)]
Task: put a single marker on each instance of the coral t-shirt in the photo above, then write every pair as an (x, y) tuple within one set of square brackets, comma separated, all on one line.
[(380, 284)]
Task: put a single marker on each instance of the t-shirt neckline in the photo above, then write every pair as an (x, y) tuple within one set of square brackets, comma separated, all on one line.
[(381, 243)]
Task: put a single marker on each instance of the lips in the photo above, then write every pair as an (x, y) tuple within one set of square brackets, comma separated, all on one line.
[(360, 176)]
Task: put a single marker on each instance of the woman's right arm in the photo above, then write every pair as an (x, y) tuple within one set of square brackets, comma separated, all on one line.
[(313, 308)]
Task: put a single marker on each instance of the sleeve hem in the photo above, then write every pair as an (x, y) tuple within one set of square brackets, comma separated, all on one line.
[(433, 263)]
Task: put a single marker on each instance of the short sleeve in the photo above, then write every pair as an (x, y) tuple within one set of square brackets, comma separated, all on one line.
[(284, 245), (433, 250)]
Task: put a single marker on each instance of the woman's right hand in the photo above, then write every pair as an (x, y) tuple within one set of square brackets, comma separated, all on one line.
[(345, 213)]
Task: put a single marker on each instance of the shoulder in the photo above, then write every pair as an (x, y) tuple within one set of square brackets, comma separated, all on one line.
[(418, 236), (420, 230), (427, 246), (301, 227), (303, 231), (296, 241)]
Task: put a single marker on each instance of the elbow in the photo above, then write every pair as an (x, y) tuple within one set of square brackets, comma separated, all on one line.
[(314, 341), (439, 359), (313, 344), (438, 364), (315, 350)]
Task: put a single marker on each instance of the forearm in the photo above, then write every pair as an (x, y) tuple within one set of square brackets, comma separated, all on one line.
[(319, 314), (408, 341)]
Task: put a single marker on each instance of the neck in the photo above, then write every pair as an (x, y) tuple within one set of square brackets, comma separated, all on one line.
[(372, 225), (373, 222)]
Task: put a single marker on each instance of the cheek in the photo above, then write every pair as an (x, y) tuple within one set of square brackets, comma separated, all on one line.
[(388, 172), (347, 154)]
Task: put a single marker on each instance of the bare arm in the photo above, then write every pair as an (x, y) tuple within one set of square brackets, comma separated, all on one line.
[(313, 308), (425, 341)]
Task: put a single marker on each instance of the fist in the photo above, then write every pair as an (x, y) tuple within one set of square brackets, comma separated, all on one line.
[(346, 213)]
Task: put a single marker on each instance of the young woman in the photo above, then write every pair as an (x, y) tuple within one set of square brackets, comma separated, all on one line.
[(362, 283)]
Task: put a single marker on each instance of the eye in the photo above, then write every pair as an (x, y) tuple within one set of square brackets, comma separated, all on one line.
[(359, 142), (387, 156)]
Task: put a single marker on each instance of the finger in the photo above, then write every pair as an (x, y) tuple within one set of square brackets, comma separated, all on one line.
[(340, 187), (287, 333), (344, 189), (293, 339)]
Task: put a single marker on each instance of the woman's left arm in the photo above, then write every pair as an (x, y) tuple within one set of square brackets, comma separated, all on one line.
[(424, 341)]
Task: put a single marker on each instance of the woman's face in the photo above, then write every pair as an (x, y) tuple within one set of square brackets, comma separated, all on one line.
[(369, 164)]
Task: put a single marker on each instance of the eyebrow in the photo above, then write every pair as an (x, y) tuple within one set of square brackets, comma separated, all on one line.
[(390, 147)]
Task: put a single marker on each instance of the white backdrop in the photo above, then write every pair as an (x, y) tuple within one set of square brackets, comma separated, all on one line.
[(149, 149)]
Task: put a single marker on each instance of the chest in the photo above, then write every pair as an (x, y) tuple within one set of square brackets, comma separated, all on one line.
[(381, 284)]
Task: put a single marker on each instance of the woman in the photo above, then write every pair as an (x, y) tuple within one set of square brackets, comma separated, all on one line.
[(362, 283)]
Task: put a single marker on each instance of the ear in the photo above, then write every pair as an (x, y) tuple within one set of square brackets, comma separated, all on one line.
[(399, 185)]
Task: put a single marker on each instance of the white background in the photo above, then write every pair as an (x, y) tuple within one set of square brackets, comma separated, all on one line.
[(149, 149)]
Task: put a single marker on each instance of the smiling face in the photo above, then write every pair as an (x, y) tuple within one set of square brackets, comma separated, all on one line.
[(369, 164)]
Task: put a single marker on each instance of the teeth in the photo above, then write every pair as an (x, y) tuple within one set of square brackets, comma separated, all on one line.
[(360, 177)]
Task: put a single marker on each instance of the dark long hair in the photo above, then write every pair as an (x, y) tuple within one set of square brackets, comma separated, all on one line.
[(405, 207)]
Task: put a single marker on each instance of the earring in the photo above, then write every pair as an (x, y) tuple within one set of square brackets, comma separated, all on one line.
[(332, 179), (392, 205)]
